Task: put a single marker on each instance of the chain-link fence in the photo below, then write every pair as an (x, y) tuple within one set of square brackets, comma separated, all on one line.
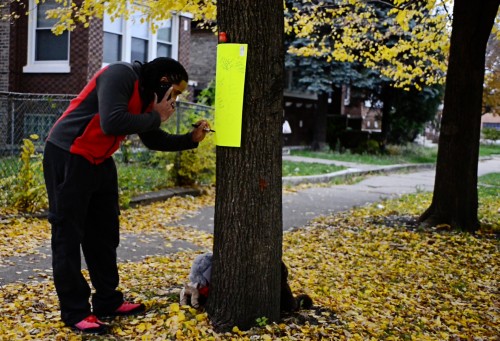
[(24, 115)]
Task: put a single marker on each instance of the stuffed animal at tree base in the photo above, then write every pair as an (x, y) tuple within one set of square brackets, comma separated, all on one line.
[(195, 293)]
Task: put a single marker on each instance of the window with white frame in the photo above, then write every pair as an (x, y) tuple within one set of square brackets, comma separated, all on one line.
[(47, 52), (140, 36), (112, 39), (164, 40), (130, 40)]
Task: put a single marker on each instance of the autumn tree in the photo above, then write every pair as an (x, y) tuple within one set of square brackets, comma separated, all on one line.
[(405, 111), (402, 39), (455, 198), (455, 194), (379, 52), (491, 92)]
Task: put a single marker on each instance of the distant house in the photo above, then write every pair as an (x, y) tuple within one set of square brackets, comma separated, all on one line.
[(490, 121), (202, 57), (361, 112), (311, 115)]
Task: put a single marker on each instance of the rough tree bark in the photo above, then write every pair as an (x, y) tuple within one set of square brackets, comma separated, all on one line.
[(455, 199), (245, 281)]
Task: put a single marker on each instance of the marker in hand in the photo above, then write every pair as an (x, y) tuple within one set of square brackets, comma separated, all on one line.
[(206, 129)]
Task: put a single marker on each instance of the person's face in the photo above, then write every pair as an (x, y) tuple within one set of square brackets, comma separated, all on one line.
[(177, 89)]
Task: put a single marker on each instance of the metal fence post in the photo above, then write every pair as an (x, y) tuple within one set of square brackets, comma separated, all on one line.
[(12, 122), (177, 164)]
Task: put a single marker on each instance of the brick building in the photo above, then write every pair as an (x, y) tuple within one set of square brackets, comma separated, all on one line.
[(41, 72), (202, 58), (4, 50), (33, 60)]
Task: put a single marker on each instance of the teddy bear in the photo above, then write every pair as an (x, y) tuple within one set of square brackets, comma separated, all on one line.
[(195, 292)]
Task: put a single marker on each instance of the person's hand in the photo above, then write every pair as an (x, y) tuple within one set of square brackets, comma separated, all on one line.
[(165, 107), (201, 130)]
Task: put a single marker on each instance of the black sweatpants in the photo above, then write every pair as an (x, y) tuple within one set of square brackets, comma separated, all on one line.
[(83, 211)]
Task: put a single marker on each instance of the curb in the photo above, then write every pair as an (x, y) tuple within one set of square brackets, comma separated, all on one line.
[(148, 198), (353, 172)]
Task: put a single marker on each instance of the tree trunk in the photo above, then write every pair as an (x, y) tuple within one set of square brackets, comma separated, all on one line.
[(248, 232), (455, 197)]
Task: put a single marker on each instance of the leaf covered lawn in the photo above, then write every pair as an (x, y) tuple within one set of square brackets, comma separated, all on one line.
[(373, 275)]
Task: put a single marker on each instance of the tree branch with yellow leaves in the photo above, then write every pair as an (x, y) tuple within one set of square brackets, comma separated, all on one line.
[(406, 40)]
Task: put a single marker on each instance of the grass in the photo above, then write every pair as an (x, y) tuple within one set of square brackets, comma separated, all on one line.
[(489, 202), (291, 168), (489, 149), (490, 184), (490, 179), (396, 155), (136, 179)]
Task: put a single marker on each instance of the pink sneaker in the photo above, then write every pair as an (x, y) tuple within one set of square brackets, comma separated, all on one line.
[(128, 308), (91, 325), (125, 309)]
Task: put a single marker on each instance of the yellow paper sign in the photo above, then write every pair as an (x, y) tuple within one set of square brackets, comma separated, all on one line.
[(229, 90)]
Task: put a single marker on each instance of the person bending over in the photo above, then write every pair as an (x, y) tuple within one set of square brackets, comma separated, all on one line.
[(82, 183)]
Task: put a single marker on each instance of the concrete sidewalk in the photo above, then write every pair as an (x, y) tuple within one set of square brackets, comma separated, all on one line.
[(298, 209)]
